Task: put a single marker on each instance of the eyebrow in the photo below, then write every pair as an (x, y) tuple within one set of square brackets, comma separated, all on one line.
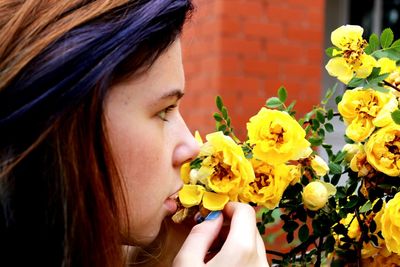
[(174, 93)]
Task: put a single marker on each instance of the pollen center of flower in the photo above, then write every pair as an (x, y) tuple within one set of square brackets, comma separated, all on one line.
[(354, 52), (276, 134), (261, 180), (222, 172)]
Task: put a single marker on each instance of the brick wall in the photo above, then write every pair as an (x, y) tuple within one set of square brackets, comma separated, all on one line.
[(244, 50)]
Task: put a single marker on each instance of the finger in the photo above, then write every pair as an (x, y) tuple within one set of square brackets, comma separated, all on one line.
[(243, 222), (198, 242), (261, 251)]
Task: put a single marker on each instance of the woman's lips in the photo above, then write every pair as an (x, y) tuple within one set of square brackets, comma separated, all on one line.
[(171, 202)]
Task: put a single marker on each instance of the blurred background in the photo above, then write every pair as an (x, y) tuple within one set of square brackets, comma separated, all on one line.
[(244, 50)]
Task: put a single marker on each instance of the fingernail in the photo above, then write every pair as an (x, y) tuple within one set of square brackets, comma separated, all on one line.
[(213, 215), (198, 218)]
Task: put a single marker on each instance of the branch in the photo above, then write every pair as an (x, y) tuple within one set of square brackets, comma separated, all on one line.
[(391, 85)]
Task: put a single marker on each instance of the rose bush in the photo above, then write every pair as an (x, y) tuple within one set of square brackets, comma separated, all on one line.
[(342, 208)]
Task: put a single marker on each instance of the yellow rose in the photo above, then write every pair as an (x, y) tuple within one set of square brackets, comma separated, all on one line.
[(348, 37), (214, 201), (191, 195), (383, 150), (390, 222), (352, 60), (369, 249), (185, 172), (277, 137), (394, 77), (269, 184), (386, 64), (319, 165), (353, 228), (365, 109), (316, 194), (224, 168), (360, 164)]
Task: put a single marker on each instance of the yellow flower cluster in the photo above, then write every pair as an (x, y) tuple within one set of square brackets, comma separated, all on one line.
[(222, 172), (351, 60)]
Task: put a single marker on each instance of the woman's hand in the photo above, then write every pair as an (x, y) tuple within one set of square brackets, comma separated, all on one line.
[(243, 245)]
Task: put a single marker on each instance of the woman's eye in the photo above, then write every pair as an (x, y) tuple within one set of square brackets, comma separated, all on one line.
[(163, 114)]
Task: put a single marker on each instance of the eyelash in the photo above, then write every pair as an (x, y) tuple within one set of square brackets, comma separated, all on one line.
[(166, 111)]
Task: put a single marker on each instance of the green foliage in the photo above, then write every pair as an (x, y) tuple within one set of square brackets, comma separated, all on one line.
[(396, 116), (387, 37)]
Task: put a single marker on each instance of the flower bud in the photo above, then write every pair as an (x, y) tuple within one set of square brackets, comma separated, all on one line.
[(319, 165), (351, 150), (316, 194)]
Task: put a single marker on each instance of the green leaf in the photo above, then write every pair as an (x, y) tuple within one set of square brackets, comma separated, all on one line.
[(329, 127), (396, 44), (335, 179), (356, 82), (291, 106), (290, 237), (329, 51), (340, 156), (196, 163), (224, 112), (315, 141), (373, 44), (282, 94), (219, 103), (315, 124), (374, 73), (217, 116), (366, 207), (304, 233), (222, 128), (329, 244), (338, 99), (329, 115), (377, 79), (320, 117), (335, 168), (290, 226), (372, 226), (392, 53), (386, 38), (352, 203), (396, 116), (274, 102), (377, 206)]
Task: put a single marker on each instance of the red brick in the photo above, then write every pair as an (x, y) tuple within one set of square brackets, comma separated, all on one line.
[(243, 8), (285, 14), (315, 55), (263, 68), (265, 30), (304, 34), (230, 25), (239, 83), (240, 46), (230, 64), (289, 51), (310, 72)]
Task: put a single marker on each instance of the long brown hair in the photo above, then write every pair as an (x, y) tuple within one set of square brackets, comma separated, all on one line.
[(60, 195)]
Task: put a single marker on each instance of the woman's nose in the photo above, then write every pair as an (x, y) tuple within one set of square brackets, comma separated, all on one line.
[(187, 149)]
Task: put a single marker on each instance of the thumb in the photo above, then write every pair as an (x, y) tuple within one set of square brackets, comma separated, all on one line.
[(198, 242)]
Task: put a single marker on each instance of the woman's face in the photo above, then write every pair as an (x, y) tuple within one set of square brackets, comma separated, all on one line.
[(150, 141)]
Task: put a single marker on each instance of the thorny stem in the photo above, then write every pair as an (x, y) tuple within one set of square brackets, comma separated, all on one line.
[(273, 252), (391, 85), (359, 245)]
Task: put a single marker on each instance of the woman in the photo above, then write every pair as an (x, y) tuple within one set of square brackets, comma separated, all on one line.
[(92, 139)]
